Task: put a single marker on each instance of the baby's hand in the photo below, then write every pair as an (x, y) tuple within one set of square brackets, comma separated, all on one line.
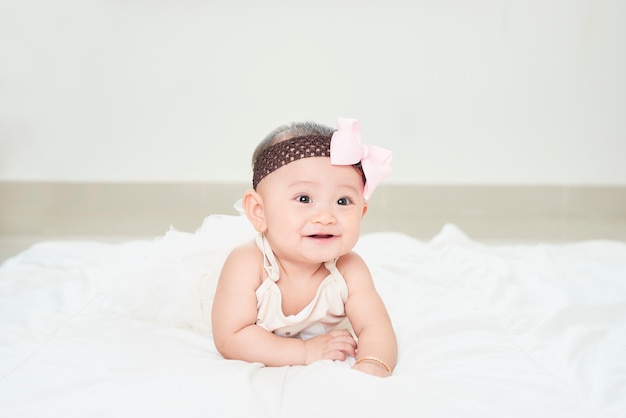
[(336, 345)]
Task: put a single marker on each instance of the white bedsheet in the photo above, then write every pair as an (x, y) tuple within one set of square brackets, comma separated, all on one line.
[(90, 329)]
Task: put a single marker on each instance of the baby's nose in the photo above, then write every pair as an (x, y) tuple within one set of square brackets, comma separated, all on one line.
[(324, 218)]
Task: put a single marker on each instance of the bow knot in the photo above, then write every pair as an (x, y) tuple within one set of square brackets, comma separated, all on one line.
[(346, 149)]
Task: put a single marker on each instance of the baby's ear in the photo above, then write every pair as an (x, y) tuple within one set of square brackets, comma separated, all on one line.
[(253, 207)]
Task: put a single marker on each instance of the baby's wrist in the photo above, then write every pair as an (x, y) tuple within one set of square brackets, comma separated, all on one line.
[(373, 360)]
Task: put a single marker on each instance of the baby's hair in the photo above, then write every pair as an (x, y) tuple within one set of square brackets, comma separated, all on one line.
[(291, 130)]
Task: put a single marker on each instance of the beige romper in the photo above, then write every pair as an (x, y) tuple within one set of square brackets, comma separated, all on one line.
[(323, 314)]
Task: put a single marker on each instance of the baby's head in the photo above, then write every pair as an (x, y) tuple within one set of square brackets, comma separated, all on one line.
[(310, 188)]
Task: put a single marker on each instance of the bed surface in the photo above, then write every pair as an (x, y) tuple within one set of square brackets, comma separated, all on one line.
[(123, 330)]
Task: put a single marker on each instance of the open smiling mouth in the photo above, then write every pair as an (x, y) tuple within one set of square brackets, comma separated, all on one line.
[(321, 236)]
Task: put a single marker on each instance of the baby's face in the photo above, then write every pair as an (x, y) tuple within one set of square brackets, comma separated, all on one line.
[(313, 209)]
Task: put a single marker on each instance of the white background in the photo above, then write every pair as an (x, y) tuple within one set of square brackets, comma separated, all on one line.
[(473, 92)]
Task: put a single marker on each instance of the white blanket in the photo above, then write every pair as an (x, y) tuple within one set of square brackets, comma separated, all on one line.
[(94, 330)]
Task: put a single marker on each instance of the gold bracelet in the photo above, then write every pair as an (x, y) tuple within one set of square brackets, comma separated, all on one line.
[(377, 360)]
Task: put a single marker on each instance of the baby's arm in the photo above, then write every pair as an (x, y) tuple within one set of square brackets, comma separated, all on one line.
[(369, 318), (234, 315)]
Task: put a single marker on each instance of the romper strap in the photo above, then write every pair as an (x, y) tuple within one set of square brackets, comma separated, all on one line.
[(269, 261)]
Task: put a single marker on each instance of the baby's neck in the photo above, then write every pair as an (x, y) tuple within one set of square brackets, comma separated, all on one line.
[(297, 272)]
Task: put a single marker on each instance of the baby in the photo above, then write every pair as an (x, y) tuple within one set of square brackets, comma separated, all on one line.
[(298, 294)]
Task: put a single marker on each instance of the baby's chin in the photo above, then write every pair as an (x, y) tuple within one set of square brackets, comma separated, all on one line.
[(324, 248)]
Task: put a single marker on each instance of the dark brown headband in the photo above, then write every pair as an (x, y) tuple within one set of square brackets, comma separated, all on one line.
[(289, 150)]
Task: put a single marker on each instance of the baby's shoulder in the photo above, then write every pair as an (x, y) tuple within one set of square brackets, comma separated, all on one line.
[(248, 249), (351, 263), (355, 272), (244, 260)]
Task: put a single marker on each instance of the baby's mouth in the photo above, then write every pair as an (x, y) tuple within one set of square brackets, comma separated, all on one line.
[(321, 236)]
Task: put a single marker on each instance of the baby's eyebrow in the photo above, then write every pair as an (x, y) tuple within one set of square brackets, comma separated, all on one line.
[(348, 186), (341, 187), (302, 183)]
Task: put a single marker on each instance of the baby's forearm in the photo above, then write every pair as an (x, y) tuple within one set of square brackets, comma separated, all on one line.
[(255, 344), (380, 344)]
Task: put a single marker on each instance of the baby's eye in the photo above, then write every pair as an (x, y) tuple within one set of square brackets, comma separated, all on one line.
[(303, 199), (344, 201)]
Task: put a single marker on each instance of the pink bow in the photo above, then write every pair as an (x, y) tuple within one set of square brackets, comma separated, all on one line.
[(346, 149)]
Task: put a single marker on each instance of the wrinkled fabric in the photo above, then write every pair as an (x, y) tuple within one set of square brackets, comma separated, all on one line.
[(102, 330)]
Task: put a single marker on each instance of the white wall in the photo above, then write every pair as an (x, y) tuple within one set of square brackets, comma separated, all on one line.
[(481, 91)]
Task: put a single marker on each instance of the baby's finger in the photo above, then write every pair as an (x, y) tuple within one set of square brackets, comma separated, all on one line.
[(341, 333), (336, 355), (347, 337), (344, 346)]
